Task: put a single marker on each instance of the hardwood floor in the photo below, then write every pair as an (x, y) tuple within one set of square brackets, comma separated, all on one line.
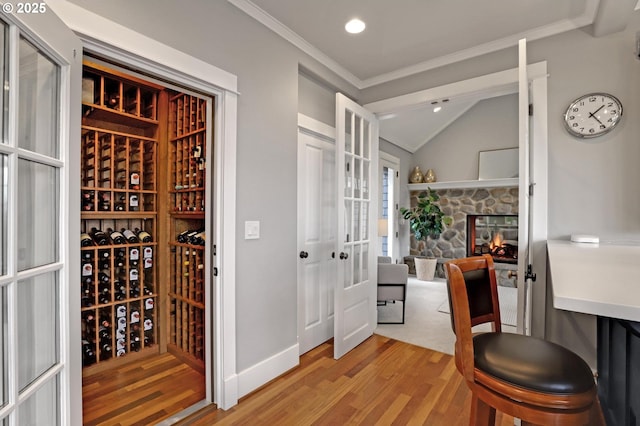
[(381, 382), (141, 393)]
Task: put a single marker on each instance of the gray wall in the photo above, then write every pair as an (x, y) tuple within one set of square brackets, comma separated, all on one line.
[(453, 153), (267, 69), (592, 183)]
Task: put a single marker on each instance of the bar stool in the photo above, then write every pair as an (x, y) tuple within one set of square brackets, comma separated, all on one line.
[(532, 379)]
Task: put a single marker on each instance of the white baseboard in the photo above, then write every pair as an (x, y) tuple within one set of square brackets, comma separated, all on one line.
[(254, 377)]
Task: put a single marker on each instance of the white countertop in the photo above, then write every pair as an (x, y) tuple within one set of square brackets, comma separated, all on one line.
[(599, 279)]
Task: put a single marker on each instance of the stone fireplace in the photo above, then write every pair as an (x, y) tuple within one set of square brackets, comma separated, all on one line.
[(459, 204)]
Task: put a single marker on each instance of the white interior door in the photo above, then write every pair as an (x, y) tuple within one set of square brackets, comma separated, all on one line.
[(357, 186), (316, 232), (524, 252), (39, 218)]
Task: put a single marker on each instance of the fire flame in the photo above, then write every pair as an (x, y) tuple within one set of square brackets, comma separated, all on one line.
[(496, 241)]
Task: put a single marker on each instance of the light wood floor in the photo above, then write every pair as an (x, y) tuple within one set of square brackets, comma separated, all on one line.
[(381, 382), (141, 393)]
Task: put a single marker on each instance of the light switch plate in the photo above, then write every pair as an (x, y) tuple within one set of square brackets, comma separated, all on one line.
[(251, 230)]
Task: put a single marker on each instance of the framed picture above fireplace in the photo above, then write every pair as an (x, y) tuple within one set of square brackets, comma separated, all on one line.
[(498, 164)]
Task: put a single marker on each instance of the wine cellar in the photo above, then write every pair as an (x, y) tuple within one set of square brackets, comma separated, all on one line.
[(143, 198)]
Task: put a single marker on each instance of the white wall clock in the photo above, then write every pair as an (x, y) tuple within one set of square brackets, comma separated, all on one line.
[(593, 115)]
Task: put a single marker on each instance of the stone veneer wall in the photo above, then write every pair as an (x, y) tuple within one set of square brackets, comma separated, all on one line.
[(458, 203)]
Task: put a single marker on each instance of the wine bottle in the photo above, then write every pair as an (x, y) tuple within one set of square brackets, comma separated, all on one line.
[(88, 354), (116, 236), (99, 237), (182, 237), (121, 205), (103, 259), (198, 239), (133, 202), (105, 201), (148, 338), (88, 200), (130, 236), (104, 334), (134, 289), (134, 343), (86, 240), (106, 351), (143, 235), (134, 182), (120, 256)]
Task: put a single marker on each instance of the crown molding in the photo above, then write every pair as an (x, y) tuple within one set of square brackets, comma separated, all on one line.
[(285, 32)]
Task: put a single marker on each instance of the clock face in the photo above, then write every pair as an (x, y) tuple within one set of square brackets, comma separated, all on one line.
[(593, 115)]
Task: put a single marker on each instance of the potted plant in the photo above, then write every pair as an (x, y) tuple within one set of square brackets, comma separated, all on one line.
[(426, 220)]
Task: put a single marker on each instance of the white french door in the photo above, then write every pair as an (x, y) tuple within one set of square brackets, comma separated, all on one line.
[(533, 182), (316, 232), (40, 110), (357, 206)]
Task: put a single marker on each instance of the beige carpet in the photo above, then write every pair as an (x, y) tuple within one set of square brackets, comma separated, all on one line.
[(424, 325)]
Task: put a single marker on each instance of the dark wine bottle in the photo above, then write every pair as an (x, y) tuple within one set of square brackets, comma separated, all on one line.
[(100, 237), (88, 353), (88, 203), (182, 237), (120, 256), (134, 340), (105, 201)]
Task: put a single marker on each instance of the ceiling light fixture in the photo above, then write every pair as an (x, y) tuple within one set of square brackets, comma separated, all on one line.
[(436, 109), (355, 26)]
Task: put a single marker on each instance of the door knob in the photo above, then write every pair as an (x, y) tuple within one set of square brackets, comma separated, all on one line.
[(344, 255), (304, 254)]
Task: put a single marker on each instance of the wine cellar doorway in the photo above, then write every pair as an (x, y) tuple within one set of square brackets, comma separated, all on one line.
[(146, 198)]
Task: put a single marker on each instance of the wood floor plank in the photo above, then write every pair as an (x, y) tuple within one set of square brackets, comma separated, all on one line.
[(382, 381), (142, 393)]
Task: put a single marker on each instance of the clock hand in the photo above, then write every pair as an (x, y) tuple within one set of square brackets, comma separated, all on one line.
[(596, 118), (592, 113)]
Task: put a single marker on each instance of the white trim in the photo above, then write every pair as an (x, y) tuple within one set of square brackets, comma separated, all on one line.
[(489, 85), (317, 127), (289, 35), (286, 33), (264, 371), (460, 184), (116, 42)]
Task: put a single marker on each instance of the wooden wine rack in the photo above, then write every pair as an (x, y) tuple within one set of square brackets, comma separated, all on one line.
[(119, 157), (187, 168)]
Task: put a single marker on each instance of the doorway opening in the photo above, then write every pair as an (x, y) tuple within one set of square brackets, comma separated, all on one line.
[(388, 244), (145, 190)]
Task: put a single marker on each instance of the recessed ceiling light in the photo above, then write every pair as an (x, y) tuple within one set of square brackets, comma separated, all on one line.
[(436, 109), (355, 26)]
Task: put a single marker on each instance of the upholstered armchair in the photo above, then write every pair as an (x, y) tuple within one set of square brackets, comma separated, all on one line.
[(392, 284)]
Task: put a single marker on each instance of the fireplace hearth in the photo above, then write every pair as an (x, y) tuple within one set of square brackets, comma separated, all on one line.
[(496, 235)]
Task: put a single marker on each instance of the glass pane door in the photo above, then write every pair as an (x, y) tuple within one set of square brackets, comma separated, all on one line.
[(357, 185), (34, 227)]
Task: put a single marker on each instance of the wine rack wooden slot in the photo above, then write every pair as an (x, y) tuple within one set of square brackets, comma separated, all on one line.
[(187, 131), (119, 154)]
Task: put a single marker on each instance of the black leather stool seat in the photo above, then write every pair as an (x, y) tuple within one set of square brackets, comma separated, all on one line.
[(531, 363)]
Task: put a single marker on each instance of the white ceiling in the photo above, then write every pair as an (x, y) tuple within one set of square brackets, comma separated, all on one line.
[(404, 37)]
